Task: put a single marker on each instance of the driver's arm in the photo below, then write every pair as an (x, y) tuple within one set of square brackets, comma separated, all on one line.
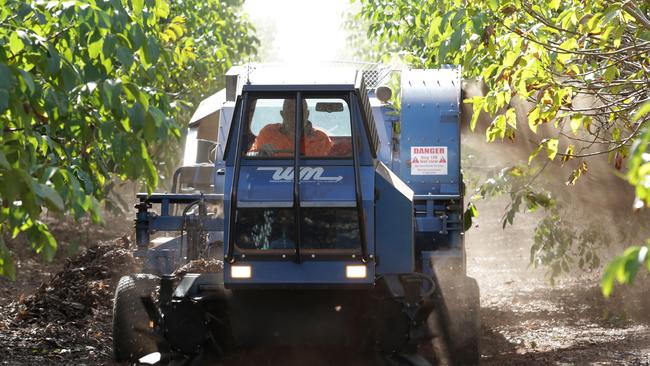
[(319, 144), (263, 138)]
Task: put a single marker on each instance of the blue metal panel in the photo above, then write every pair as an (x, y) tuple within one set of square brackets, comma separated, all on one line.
[(428, 224), (393, 224), (256, 184), (327, 184), (318, 272), (367, 174), (430, 119), (317, 184)]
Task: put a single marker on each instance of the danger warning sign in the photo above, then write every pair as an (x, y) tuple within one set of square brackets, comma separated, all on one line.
[(428, 160)]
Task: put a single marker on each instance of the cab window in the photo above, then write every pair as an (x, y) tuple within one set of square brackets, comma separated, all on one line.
[(322, 228), (271, 128), (328, 128)]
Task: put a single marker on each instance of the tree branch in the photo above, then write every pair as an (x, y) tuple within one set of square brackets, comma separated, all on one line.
[(631, 8)]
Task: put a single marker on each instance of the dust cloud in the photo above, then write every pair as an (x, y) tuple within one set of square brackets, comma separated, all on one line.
[(600, 197), (526, 319)]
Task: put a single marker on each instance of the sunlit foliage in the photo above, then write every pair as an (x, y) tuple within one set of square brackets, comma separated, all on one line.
[(89, 90), (552, 54)]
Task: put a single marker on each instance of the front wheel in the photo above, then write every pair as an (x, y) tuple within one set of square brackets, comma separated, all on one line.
[(130, 318)]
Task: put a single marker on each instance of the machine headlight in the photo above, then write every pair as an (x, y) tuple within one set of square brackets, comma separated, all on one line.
[(151, 359), (240, 271), (355, 271)]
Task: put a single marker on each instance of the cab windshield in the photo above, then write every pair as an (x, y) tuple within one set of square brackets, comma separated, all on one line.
[(325, 128), (272, 200)]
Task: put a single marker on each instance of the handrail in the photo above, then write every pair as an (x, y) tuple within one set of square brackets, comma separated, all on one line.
[(296, 174), (178, 197), (243, 117), (436, 196), (357, 181)]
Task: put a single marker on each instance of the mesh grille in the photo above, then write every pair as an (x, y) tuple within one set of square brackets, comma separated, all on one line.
[(371, 128), (374, 74)]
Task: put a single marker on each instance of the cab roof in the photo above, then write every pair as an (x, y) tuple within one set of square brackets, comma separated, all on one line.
[(294, 78), (305, 78)]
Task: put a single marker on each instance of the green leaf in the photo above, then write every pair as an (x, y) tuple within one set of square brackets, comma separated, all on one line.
[(469, 214), (551, 148), (511, 118), (477, 107), (108, 47), (7, 267), (536, 151), (456, 38), (149, 128), (157, 115), (111, 90), (48, 243), (643, 110), (95, 48), (15, 43), (133, 91), (70, 77), (5, 77), (53, 61), (137, 116), (125, 56), (52, 197), (162, 8), (564, 54), (138, 5), (497, 128), (576, 122), (177, 29), (152, 50), (4, 100), (28, 80), (136, 36), (624, 268), (568, 154), (150, 173), (554, 4), (611, 73), (4, 163), (533, 117)]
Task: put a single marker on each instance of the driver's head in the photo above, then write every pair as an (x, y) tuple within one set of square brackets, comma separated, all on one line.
[(288, 113)]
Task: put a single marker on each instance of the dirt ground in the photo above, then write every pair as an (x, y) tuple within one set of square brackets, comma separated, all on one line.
[(526, 321), (59, 313)]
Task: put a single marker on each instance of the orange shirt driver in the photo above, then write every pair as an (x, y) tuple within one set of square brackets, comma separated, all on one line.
[(277, 139)]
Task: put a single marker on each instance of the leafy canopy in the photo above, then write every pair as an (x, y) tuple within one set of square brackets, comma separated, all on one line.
[(552, 54), (89, 90)]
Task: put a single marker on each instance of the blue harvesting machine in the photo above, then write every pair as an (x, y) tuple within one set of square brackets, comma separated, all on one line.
[(313, 211)]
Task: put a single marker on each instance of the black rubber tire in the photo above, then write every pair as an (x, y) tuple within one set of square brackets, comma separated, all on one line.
[(463, 307), (129, 315)]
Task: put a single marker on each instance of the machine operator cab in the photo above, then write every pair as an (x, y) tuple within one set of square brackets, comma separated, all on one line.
[(311, 228)]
